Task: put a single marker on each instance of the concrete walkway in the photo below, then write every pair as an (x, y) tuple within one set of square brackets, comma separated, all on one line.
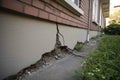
[(64, 69)]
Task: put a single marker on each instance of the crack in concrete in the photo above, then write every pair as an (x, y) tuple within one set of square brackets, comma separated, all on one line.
[(57, 53), (58, 34), (47, 59)]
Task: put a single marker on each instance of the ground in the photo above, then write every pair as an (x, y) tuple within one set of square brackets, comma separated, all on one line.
[(56, 68), (64, 69)]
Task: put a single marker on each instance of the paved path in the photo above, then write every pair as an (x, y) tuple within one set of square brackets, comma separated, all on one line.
[(63, 69)]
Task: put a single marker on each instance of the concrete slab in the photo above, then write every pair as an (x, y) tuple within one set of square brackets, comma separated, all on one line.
[(64, 69), (61, 70)]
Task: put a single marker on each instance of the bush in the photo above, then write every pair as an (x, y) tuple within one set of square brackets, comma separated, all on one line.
[(79, 46), (112, 29), (104, 63), (95, 37)]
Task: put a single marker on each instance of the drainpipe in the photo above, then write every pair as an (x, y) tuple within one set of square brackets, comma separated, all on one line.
[(89, 22)]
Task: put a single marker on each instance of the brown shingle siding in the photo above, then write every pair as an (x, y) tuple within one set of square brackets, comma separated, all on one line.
[(31, 10), (43, 14), (13, 5), (38, 4), (50, 10), (26, 1), (93, 25)]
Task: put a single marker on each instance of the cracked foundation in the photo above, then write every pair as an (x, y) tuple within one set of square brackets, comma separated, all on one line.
[(23, 40), (47, 59)]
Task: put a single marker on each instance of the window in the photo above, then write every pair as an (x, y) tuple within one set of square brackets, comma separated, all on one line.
[(76, 2), (72, 5), (100, 18), (95, 11)]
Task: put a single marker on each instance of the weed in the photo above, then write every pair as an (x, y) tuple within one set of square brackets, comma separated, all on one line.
[(112, 29), (79, 47), (103, 64), (95, 37)]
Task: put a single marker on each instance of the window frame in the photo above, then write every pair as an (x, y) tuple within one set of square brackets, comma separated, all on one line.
[(95, 11), (76, 2), (71, 6), (100, 18)]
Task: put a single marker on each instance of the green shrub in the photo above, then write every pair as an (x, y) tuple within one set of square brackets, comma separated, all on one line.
[(79, 46), (103, 64), (95, 37), (112, 29)]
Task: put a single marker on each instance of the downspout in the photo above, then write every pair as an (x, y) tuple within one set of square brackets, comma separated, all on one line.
[(89, 22)]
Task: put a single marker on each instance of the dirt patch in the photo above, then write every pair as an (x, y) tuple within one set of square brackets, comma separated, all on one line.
[(49, 58), (46, 60)]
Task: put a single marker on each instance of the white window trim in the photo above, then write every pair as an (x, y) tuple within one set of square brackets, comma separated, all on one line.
[(71, 6), (103, 22), (100, 19), (95, 12), (75, 1)]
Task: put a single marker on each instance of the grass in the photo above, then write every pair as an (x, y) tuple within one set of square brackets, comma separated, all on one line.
[(79, 47), (95, 37), (104, 63)]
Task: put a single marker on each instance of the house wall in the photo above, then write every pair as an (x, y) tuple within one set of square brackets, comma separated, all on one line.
[(28, 30), (93, 33), (72, 35), (49, 10), (23, 40)]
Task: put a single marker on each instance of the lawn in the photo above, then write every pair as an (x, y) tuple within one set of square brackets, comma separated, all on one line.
[(104, 63)]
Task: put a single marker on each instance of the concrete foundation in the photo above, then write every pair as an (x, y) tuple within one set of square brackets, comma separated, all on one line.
[(23, 40)]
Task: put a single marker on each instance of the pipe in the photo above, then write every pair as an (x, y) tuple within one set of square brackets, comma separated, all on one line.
[(89, 22)]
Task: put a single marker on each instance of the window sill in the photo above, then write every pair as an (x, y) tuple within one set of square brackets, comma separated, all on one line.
[(95, 22), (71, 6)]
